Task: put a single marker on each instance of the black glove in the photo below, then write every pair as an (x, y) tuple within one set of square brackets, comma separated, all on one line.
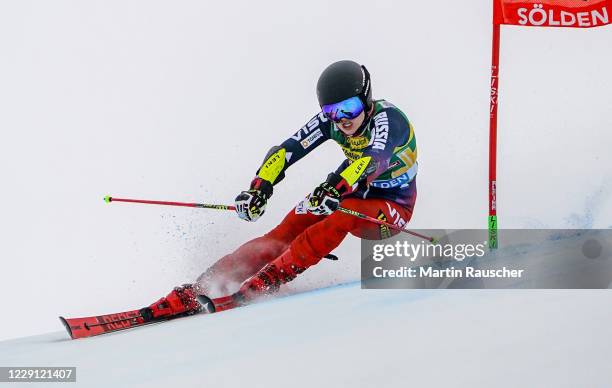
[(251, 204), (325, 198)]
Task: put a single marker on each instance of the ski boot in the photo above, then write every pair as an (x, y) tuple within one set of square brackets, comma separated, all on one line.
[(266, 282), (269, 279), (181, 301)]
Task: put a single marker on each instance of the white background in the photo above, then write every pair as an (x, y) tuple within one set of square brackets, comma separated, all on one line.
[(181, 101)]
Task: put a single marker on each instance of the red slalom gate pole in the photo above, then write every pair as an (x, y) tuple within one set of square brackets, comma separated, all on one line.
[(109, 199), (493, 104)]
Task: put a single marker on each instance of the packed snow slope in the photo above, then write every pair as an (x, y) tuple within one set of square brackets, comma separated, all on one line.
[(347, 337)]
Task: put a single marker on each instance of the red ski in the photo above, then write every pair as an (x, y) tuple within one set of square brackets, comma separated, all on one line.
[(102, 324), (90, 326)]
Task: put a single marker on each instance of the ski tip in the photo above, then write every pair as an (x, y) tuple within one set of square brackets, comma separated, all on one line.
[(67, 326), (108, 199)]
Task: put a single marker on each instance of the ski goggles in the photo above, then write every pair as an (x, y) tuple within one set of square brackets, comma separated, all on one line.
[(346, 109)]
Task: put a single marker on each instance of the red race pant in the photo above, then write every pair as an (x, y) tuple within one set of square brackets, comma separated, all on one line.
[(309, 237)]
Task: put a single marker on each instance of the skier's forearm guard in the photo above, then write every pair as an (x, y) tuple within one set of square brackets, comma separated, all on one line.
[(273, 167)]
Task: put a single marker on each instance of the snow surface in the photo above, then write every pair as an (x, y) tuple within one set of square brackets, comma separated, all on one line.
[(345, 336)]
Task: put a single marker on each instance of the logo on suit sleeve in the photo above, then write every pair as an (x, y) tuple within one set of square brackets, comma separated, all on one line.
[(312, 138), (310, 127), (381, 131)]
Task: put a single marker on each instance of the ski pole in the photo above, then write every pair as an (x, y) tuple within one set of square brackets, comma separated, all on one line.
[(433, 240), (109, 199)]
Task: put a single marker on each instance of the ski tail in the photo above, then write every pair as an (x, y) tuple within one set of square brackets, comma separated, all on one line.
[(67, 326), (91, 326)]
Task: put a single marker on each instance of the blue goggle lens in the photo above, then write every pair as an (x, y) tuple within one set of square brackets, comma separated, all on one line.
[(347, 109)]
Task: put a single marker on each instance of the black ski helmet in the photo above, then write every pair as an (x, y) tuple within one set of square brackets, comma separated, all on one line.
[(342, 80)]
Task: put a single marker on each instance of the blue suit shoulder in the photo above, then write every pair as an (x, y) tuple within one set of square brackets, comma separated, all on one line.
[(392, 112), (388, 117)]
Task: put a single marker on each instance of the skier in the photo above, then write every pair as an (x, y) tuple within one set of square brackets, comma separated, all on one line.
[(377, 178)]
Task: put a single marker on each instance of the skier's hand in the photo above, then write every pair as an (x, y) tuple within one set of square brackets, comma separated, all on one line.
[(251, 204), (325, 198)]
